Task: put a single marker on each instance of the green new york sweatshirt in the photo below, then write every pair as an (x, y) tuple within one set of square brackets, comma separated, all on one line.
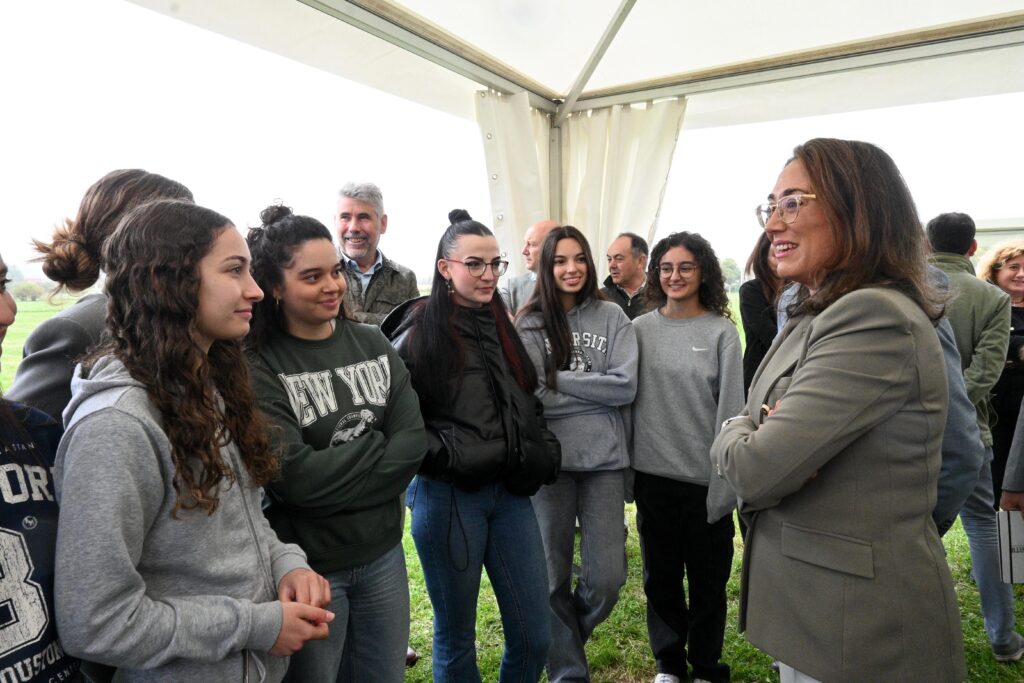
[(351, 437)]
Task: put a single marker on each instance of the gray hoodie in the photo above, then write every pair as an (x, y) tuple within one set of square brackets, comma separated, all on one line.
[(163, 599), (585, 410)]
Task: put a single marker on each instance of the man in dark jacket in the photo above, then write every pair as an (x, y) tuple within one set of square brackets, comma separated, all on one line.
[(627, 266), (376, 284)]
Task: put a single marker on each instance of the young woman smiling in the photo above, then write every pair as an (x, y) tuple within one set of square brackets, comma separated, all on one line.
[(165, 566), (488, 452), (1003, 266), (689, 356), (352, 439), (837, 453), (585, 354)]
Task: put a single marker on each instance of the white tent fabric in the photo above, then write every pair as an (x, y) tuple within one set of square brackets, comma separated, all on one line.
[(726, 47), (839, 57), (615, 164), (515, 138)]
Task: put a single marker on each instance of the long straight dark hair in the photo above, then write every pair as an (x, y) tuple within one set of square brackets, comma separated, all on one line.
[(436, 348), (546, 300)]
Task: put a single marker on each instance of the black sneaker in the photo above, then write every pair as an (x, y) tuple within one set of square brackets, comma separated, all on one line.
[(1010, 653)]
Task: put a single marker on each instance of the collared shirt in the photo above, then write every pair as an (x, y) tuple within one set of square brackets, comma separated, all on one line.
[(634, 305), (350, 264)]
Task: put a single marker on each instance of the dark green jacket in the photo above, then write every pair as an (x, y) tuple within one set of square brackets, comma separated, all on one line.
[(979, 313), (351, 437)]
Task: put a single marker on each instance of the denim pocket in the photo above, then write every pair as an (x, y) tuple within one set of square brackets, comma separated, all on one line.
[(411, 491)]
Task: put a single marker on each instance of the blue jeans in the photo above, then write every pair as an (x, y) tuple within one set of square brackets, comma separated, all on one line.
[(979, 520), (457, 534), (370, 630), (596, 499)]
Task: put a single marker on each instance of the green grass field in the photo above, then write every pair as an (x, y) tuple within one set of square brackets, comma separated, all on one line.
[(30, 314), (618, 651)]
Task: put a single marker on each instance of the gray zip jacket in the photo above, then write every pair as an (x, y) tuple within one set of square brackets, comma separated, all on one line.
[(585, 410), (162, 599)]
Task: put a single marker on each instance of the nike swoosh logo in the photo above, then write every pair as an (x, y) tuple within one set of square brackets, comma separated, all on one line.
[(696, 349)]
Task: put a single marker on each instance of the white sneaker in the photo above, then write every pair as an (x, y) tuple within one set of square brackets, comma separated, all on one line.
[(666, 678)]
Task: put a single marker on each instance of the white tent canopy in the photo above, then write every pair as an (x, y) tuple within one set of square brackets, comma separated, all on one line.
[(663, 48), (551, 83)]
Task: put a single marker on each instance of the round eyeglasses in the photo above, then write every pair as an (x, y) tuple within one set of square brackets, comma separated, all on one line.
[(788, 207), (684, 268), (476, 267)]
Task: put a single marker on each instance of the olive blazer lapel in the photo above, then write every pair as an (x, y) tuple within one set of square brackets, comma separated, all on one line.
[(773, 375)]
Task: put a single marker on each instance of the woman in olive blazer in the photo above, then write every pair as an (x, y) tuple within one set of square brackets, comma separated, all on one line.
[(837, 454)]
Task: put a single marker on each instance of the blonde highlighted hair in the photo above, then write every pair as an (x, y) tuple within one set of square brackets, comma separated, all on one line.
[(997, 257)]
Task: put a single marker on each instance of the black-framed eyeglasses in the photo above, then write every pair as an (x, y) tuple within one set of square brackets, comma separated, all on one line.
[(684, 268), (477, 267), (788, 206)]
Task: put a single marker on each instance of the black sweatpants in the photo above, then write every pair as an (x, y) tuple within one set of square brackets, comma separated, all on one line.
[(675, 537)]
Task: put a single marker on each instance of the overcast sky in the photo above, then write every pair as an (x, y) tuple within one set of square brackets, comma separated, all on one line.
[(112, 85)]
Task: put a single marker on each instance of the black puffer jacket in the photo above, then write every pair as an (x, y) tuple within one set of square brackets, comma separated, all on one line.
[(491, 430)]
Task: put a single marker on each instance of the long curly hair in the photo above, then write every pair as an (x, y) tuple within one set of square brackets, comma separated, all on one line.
[(273, 245), (205, 400), (547, 302), (74, 255), (711, 293)]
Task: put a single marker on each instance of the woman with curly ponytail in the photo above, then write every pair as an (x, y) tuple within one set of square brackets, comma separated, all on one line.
[(351, 438), (165, 566)]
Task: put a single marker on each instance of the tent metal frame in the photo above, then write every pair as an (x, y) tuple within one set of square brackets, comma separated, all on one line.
[(412, 33)]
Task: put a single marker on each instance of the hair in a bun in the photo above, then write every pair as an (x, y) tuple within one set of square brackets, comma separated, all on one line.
[(67, 261), (75, 255), (273, 246), (273, 213), (458, 215)]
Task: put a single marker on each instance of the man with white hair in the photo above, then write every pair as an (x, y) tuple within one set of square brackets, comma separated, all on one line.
[(376, 284)]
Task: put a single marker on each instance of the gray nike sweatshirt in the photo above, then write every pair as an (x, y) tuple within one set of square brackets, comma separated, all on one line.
[(162, 599), (585, 410), (691, 380)]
